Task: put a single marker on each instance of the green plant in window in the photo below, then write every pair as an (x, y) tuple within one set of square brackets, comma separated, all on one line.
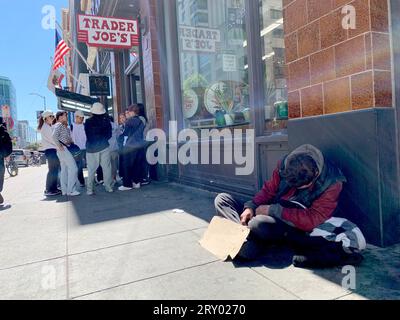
[(224, 98), (195, 81)]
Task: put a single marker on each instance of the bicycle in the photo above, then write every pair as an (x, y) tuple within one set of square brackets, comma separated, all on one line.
[(35, 161), (12, 167)]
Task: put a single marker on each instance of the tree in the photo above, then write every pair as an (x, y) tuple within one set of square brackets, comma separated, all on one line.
[(33, 146)]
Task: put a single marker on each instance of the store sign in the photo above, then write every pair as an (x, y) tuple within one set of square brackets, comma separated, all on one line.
[(99, 86), (108, 32), (229, 63), (199, 39)]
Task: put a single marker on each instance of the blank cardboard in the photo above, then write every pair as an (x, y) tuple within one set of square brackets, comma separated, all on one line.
[(224, 238)]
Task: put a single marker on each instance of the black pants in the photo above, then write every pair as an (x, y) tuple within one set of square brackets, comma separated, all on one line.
[(54, 168), (131, 167), (80, 162), (2, 172), (322, 252)]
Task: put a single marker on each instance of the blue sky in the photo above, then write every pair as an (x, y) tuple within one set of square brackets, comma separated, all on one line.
[(25, 52)]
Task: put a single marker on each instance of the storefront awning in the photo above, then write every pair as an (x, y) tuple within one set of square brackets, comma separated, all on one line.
[(71, 102)]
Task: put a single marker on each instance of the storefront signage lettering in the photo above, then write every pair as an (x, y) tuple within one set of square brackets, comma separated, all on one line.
[(229, 63), (199, 39), (108, 32)]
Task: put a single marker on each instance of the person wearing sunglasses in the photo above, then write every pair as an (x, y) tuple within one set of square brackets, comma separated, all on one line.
[(46, 123)]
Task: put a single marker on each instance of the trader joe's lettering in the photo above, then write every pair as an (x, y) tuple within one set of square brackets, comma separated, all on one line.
[(108, 32)]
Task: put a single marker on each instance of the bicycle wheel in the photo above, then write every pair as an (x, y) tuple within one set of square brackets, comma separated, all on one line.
[(12, 169)]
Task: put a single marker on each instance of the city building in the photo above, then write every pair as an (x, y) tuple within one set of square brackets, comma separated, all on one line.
[(26, 134), (8, 103), (295, 71)]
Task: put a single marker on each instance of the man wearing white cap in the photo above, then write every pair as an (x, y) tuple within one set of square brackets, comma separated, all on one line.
[(79, 137), (98, 132)]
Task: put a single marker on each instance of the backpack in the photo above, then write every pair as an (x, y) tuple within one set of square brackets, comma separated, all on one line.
[(6, 146)]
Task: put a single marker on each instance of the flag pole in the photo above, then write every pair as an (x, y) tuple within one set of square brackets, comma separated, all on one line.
[(78, 52)]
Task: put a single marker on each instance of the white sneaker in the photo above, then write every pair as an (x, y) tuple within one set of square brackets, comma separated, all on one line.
[(74, 194), (136, 186), (122, 188), (90, 193)]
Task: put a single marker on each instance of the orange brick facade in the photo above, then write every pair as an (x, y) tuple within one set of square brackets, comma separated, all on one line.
[(331, 69), (151, 64)]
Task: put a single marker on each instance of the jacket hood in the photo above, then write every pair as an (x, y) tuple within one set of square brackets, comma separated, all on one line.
[(311, 151)]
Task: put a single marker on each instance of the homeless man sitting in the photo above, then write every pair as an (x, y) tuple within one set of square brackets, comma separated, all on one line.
[(296, 207)]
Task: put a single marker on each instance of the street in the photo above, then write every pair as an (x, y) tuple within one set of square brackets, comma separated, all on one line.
[(137, 245)]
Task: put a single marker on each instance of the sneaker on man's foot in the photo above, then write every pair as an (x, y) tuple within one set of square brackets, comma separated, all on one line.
[(122, 188), (74, 194), (145, 182), (90, 193), (52, 193), (136, 186)]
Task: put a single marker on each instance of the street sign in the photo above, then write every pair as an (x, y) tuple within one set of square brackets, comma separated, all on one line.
[(99, 86)]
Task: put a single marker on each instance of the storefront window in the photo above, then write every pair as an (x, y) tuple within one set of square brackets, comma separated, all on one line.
[(273, 62), (213, 63)]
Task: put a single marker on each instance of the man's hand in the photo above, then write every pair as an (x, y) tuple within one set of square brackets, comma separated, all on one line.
[(263, 211), (246, 216)]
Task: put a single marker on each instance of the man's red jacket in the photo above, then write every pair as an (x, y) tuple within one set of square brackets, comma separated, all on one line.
[(307, 220)]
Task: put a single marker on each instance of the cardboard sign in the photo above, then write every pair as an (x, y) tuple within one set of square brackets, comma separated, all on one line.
[(224, 238), (108, 32)]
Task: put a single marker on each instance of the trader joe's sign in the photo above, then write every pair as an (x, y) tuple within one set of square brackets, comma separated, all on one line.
[(108, 32), (199, 39)]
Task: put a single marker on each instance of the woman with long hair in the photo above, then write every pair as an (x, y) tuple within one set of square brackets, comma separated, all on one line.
[(134, 128), (69, 170), (46, 123)]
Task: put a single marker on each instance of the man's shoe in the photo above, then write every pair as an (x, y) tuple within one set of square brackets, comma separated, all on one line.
[(353, 259), (136, 186), (74, 194), (52, 194), (145, 182), (122, 188), (109, 190), (90, 193)]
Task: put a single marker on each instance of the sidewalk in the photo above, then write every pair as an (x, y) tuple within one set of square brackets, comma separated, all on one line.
[(135, 245)]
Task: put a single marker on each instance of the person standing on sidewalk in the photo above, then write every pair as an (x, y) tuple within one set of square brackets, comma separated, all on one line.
[(144, 165), (98, 132), (132, 171), (5, 151), (79, 137), (69, 170), (114, 149), (46, 125)]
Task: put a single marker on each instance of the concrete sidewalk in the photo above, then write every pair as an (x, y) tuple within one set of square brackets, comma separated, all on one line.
[(136, 245)]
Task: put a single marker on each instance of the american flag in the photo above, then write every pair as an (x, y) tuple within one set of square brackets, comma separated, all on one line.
[(61, 50)]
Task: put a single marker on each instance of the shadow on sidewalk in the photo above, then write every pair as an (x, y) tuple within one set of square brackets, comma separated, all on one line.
[(155, 198)]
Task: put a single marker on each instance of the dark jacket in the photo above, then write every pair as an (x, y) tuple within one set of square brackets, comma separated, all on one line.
[(320, 200), (98, 131), (134, 131)]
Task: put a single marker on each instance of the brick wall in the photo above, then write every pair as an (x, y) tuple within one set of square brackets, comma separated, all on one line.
[(331, 69), (151, 64)]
